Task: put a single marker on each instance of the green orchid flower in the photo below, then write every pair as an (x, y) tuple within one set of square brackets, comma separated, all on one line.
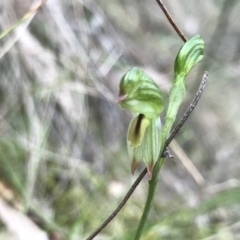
[(141, 95)]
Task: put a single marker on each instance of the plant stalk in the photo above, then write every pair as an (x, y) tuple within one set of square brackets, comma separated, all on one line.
[(151, 192), (174, 103), (153, 182)]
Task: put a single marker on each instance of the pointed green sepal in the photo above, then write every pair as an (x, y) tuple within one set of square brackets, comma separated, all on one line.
[(140, 94), (149, 149), (189, 55)]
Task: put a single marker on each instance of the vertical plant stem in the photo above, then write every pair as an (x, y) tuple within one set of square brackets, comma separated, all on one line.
[(151, 192), (152, 184), (173, 107)]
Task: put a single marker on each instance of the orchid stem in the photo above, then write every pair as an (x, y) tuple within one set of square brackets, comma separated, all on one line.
[(153, 183)]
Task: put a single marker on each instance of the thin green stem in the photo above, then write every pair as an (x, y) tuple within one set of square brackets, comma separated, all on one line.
[(176, 97), (153, 183), (151, 192)]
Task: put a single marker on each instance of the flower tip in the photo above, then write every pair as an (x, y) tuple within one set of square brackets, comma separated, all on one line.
[(133, 165), (121, 98), (150, 167)]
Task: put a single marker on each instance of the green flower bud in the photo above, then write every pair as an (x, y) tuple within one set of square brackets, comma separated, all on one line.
[(140, 94), (189, 55)]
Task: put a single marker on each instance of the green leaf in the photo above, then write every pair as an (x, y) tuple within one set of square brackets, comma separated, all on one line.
[(189, 55), (140, 94)]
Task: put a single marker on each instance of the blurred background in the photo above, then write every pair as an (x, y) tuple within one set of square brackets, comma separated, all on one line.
[(63, 159)]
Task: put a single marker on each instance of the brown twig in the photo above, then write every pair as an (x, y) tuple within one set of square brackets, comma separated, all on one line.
[(120, 206), (174, 25), (140, 177), (189, 110)]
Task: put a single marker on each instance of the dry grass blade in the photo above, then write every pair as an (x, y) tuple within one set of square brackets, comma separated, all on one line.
[(187, 163), (26, 16)]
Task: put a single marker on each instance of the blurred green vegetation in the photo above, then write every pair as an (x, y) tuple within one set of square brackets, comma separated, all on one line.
[(63, 136)]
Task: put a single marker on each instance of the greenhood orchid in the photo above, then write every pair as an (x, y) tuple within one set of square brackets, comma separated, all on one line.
[(141, 95)]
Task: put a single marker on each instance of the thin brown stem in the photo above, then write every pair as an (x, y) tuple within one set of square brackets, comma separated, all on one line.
[(143, 173), (174, 25), (120, 206)]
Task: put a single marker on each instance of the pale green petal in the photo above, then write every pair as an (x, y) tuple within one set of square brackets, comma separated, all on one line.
[(149, 150), (137, 130), (152, 142)]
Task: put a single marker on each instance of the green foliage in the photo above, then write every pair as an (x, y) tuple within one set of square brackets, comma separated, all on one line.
[(13, 161), (77, 57)]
